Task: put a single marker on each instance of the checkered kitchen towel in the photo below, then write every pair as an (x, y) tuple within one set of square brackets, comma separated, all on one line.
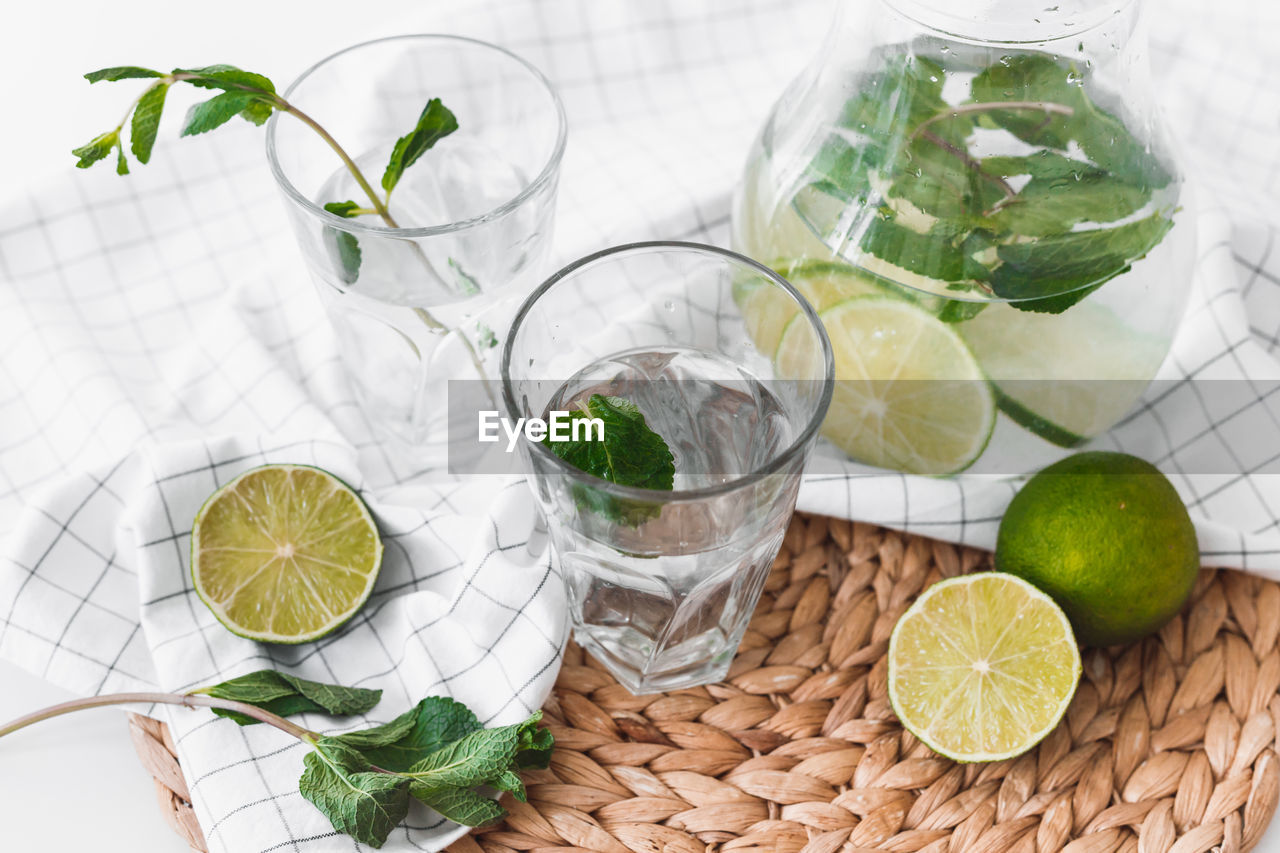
[(158, 336)]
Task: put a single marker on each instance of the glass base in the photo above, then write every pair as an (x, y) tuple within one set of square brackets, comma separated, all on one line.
[(702, 660)]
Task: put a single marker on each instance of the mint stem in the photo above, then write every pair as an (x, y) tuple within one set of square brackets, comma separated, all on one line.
[(187, 700)]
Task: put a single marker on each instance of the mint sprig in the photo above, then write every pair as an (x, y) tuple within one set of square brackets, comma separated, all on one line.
[(901, 147), (364, 781), (253, 97)]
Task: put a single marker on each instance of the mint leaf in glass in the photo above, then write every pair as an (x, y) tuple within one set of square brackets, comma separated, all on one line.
[(630, 454), (435, 123)]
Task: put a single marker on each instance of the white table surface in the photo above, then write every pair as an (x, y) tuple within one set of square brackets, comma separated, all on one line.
[(50, 45)]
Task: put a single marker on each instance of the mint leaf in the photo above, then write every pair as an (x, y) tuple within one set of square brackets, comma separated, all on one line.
[(415, 734), (466, 282), (1033, 77), (445, 779), (284, 695), (96, 149), (1047, 206), (122, 165), (344, 251), (1051, 274), (1045, 164), (217, 111), (345, 209), (146, 121), (121, 72), (460, 805), (631, 453), (257, 112), (226, 77), (1102, 137), (936, 254), (363, 803), (435, 123), (344, 248)]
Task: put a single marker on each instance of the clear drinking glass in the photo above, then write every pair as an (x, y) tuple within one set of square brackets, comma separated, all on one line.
[(1000, 171), (661, 584), (425, 294)]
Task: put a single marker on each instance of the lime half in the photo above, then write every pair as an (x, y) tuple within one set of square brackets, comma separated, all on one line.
[(284, 554), (768, 309), (1066, 377), (982, 667), (908, 395)]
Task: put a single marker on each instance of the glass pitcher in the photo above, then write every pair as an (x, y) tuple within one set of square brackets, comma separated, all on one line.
[(982, 204)]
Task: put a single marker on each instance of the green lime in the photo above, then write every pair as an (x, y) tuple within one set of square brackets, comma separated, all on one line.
[(982, 667), (1107, 536), (1066, 377), (284, 554), (908, 395)]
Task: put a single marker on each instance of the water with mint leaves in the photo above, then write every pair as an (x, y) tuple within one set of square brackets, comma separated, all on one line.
[(649, 596)]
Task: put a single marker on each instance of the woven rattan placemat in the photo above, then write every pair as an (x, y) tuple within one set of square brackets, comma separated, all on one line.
[(1169, 745)]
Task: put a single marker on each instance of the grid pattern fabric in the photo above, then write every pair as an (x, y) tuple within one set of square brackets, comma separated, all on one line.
[(158, 336)]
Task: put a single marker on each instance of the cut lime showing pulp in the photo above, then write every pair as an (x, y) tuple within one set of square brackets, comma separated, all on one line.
[(1066, 377), (908, 394), (982, 667), (768, 309), (284, 554)]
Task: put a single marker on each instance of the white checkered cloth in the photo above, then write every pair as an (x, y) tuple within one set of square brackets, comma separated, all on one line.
[(158, 335)]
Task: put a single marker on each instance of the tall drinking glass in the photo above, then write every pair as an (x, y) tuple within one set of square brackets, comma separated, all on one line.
[(662, 584), (424, 293)]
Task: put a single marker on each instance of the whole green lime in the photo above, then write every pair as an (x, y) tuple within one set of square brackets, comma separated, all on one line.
[(1106, 535)]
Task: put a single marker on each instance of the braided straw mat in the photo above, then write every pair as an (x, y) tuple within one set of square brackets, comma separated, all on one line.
[(1169, 745)]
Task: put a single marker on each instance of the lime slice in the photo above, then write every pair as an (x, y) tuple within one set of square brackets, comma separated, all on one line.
[(284, 554), (767, 309), (908, 396), (982, 667), (1066, 377)]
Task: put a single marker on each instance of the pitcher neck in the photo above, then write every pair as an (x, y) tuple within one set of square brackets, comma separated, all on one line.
[(1005, 22)]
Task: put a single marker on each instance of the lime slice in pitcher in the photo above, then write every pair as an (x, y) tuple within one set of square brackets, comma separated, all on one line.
[(982, 667), (768, 309), (284, 554), (1066, 377), (908, 396)]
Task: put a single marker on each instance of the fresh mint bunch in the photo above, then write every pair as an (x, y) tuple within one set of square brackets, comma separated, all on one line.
[(363, 781), (630, 454), (1031, 227)]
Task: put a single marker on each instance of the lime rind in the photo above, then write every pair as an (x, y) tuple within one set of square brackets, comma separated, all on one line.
[(336, 620), (924, 729)]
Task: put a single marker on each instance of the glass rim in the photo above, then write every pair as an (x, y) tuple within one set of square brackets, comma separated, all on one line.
[(946, 22), (545, 176), (795, 447)]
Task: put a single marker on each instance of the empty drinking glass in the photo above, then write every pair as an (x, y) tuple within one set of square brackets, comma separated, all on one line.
[(662, 584)]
